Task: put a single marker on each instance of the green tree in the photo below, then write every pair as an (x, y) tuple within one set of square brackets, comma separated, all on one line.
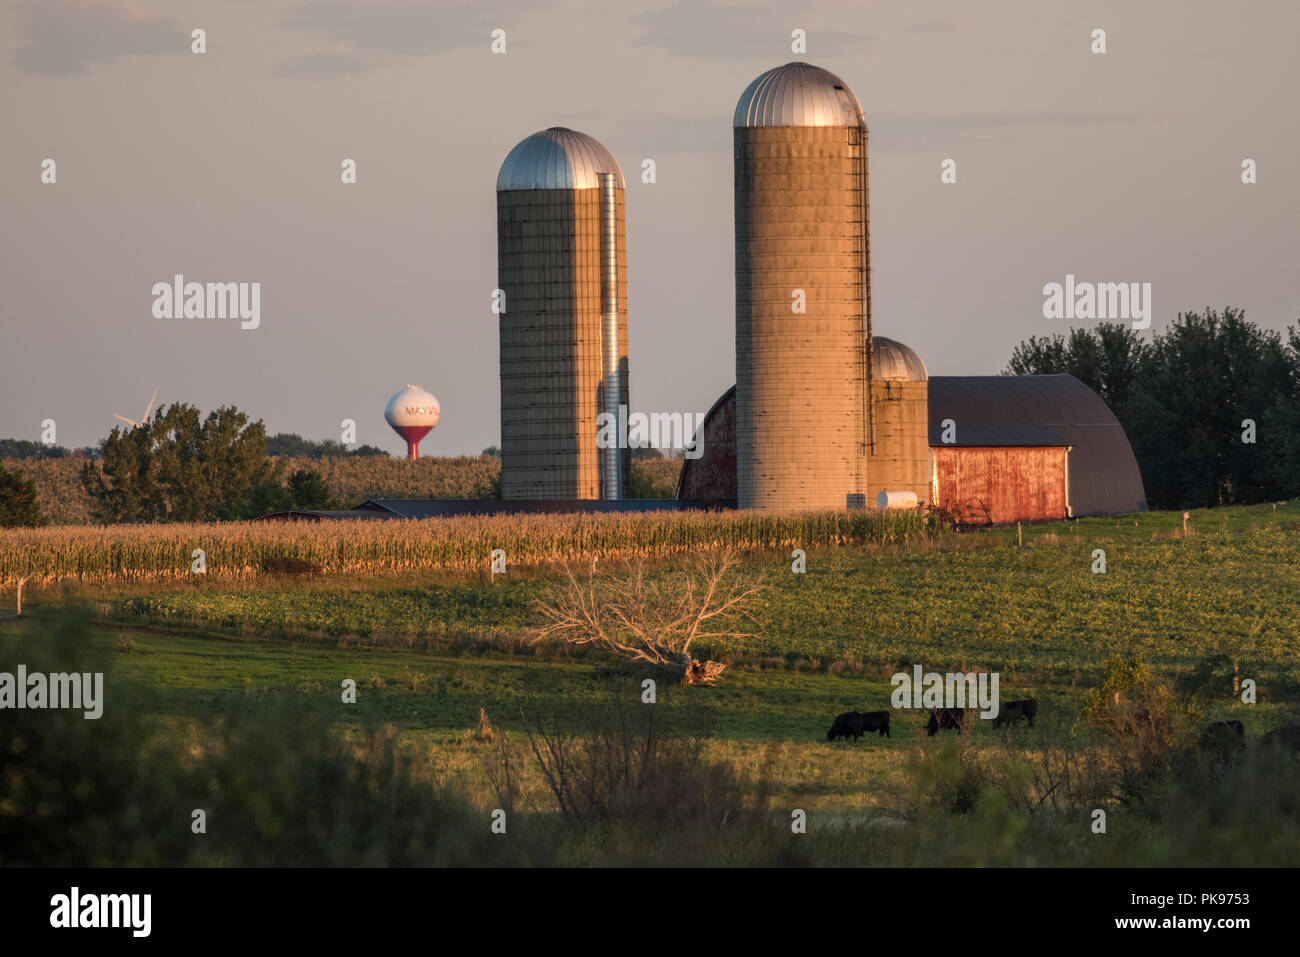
[(308, 490), (292, 444), (180, 468), (1184, 400), (18, 501), (27, 449), (266, 497), (1282, 443), (1207, 374), (1107, 360)]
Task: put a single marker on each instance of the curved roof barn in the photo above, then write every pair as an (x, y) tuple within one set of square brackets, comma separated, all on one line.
[(1046, 410), (1002, 411)]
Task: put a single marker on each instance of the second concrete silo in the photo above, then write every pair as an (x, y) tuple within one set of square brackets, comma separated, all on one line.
[(899, 458), (802, 430), (562, 264)]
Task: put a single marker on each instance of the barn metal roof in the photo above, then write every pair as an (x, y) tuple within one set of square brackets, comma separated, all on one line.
[(317, 514), (1001, 436), (435, 508), (1104, 476), (393, 508)]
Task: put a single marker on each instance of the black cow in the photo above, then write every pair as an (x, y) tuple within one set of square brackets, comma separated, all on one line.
[(1012, 711), (1287, 737), (856, 724), (1218, 732), (946, 718), (877, 721)]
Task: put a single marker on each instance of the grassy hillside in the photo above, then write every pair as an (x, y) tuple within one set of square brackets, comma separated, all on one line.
[(975, 598)]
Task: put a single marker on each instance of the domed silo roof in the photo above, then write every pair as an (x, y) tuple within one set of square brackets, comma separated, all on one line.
[(798, 94), (893, 360), (557, 158)]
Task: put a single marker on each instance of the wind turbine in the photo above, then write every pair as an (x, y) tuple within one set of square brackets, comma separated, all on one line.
[(136, 425)]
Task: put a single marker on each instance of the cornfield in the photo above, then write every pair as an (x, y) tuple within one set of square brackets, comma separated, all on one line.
[(140, 553), (350, 480)]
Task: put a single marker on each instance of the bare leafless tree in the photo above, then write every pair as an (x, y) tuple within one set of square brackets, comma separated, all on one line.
[(655, 620)]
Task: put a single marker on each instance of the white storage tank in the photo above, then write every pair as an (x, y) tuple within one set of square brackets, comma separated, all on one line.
[(896, 500)]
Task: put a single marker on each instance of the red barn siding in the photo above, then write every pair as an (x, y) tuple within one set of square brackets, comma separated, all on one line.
[(712, 476), (1014, 483)]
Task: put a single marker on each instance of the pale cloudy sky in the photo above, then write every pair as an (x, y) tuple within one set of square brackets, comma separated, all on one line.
[(225, 167)]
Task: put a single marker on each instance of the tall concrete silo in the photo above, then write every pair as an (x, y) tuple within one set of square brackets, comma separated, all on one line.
[(562, 264), (802, 419)]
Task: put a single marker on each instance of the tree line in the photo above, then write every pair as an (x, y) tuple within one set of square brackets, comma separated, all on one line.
[(292, 445), (27, 449), (1211, 405)]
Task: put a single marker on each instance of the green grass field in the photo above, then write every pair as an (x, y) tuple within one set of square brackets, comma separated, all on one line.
[(972, 601), (428, 651)]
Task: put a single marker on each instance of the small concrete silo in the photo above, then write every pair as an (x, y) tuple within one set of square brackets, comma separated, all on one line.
[(562, 264), (899, 459)]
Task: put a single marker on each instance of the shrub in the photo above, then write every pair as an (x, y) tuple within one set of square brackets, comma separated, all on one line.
[(278, 783), (18, 502), (288, 565), (1140, 716), (652, 621), (614, 762)]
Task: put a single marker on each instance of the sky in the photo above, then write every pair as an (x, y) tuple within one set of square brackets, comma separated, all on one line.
[(225, 167)]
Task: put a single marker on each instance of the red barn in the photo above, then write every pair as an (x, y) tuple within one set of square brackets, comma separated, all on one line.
[(1000, 483), (1020, 448)]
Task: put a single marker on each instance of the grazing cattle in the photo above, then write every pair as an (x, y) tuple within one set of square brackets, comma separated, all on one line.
[(1223, 729), (1285, 737), (876, 721), (1012, 711), (844, 725), (946, 718), (1223, 736), (856, 724)]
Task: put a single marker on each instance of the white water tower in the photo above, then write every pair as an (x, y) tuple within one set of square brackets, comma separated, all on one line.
[(412, 413)]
